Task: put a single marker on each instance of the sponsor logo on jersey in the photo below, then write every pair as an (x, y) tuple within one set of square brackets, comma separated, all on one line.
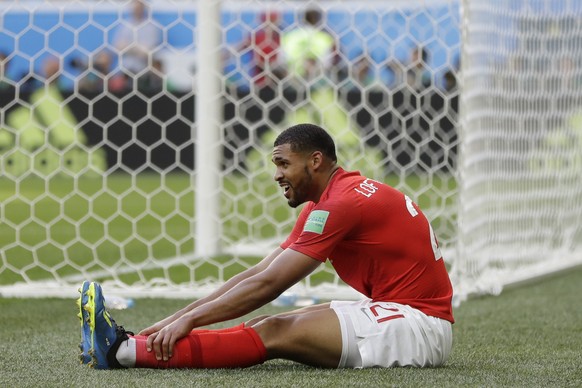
[(316, 221)]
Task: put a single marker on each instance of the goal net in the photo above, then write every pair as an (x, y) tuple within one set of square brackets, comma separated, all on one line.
[(136, 152), (520, 208)]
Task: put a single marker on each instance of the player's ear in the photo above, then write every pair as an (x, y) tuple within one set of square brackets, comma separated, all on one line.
[(316, 159)]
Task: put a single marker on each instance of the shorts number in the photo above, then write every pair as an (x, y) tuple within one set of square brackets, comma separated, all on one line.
[(383, 314)]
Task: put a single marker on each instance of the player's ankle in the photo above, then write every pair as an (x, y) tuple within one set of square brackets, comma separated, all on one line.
[(126, 353)]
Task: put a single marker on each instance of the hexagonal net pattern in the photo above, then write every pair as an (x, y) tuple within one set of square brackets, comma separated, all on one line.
[(99, 129), (520, 207)]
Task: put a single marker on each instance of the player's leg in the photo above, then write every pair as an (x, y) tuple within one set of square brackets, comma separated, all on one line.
[(307, 309), (311, 336), (242, 346), (106, 345)]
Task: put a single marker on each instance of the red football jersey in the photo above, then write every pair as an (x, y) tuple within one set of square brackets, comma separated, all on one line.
[(378, 241)]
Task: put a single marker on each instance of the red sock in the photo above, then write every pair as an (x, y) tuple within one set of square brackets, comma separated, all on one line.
[(198, 331), (210, 349), (223, 330)]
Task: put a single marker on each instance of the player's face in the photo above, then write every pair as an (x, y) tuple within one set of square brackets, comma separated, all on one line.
[(292, 174)]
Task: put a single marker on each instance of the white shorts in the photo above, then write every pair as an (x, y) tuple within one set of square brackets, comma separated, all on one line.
[(384, 334)]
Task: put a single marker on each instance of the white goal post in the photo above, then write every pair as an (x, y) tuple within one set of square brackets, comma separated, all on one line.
[(155, 178)]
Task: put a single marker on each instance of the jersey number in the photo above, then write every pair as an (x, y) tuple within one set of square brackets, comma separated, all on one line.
[(435, 244), (433, 240)]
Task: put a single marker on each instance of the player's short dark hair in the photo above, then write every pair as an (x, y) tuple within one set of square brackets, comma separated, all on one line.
[(307, 138)]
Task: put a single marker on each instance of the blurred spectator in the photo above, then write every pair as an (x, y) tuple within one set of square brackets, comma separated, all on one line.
[(265, 44), (138, 40), (314, 60), (362, 72), (418, 76), (153, 79), (450, 78), (309, 51), (51, 70), (7, 90), (24, 82), (99, 76), (395, 70), (365, 74), (5, 83)]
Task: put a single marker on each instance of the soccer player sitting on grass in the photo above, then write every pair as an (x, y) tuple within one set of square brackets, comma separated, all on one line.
[(376, 238)]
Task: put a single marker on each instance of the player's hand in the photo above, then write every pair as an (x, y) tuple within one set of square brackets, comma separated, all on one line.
[(157, 326), (162, 342)]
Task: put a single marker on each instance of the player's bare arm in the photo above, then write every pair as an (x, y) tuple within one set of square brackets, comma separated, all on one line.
[(260, 266), (244, 297)]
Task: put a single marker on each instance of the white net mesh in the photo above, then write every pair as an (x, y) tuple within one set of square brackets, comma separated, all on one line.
[(100, 140), (99, 133), (520, 209)]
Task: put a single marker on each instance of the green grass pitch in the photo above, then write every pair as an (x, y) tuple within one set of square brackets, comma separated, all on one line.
[(529, 336), (526, 337)]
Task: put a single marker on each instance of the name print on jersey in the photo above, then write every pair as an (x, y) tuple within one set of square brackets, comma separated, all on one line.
[(366, 188)]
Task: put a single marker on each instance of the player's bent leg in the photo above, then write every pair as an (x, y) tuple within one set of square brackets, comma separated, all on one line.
[(302, 310), (235, 347), (206, 349), (106, 345), (311, 337)]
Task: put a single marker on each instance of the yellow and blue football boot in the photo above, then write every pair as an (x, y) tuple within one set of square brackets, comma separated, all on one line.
[(100, 335)]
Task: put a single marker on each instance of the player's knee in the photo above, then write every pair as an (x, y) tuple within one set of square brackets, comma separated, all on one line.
[(276, 331), (255, 320)]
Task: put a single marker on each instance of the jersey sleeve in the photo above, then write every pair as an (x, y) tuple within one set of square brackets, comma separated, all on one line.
[(326, 225), (299, 224)]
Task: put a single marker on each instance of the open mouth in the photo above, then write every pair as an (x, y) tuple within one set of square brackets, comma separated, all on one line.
[(285, 188)]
